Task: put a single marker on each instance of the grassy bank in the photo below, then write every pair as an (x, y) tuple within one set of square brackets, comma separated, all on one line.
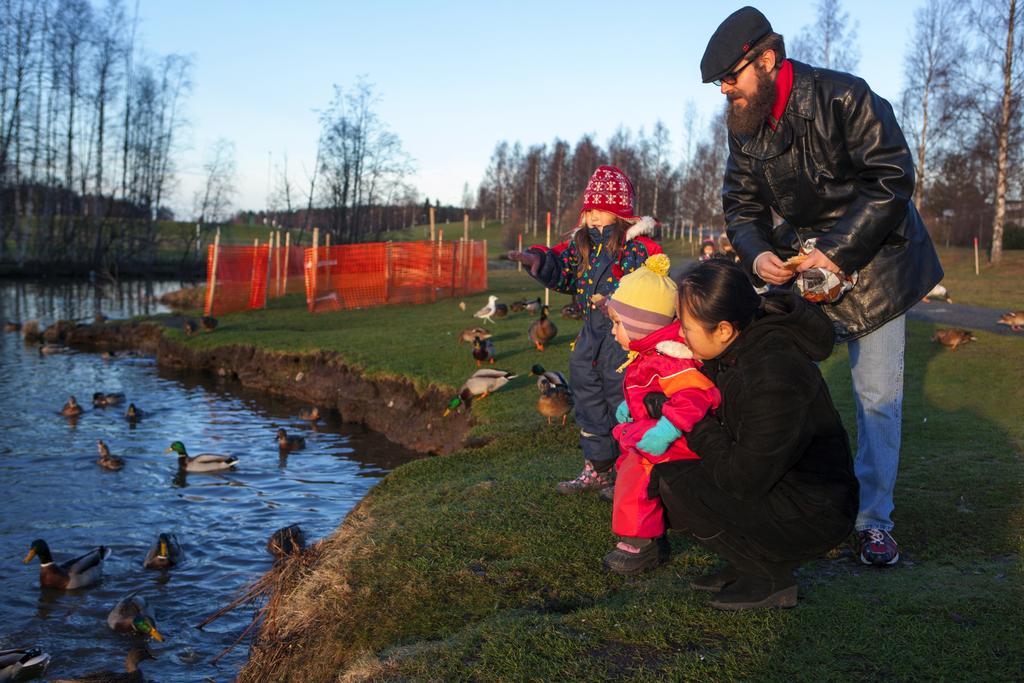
[(470, 566)]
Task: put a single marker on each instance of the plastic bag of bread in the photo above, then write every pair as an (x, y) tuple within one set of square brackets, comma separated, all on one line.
[(823, 286)]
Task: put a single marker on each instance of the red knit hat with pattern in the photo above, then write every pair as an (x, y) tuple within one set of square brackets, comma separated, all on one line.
[(609, 190)]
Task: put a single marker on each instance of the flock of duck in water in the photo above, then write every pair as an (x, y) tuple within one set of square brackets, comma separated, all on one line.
[(131, 615)]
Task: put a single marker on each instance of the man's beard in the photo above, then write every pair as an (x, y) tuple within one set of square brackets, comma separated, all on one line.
[(746, 120)]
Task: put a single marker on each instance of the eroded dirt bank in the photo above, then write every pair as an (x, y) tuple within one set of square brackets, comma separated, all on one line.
[(391, 406)]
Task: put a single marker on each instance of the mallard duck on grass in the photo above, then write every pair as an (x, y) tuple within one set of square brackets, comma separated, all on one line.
[(556, 398), (21, 664), (101, 400), (483, 351), (471, 333), (132, 615), (79, 572), (287, 444), (164, 554), (542, 331), (190, 327), (481, 383), (131, 673), (1015, 319), (204, 462), (572, 312), (71, 408), (209, 324), (107, 461), (953, 338)]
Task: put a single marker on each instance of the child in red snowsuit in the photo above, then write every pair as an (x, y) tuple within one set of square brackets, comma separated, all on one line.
[(660, 363)]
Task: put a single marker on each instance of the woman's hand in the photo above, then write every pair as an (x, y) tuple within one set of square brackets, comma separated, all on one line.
[(528, 259)]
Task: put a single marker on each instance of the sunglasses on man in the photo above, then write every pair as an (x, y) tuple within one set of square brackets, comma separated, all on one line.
[(730, 78)]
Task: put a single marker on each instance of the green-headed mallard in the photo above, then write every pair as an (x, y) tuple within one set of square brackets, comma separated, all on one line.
[(311, 415), (108, 461), (1015, 319), (209, 324), (287, 443), (952, 338), (132, 615), (71, 408), (204, 462), (470, 333), (542, 331), (287, 541), (481, 383), (164, 554), (101, 400), (556, 398), (79, 572), (131, 673), (133, 414), (483, 351), (21, 664)]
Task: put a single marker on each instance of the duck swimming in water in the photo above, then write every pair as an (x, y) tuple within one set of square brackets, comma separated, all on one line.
[(78, 572), (71, 408), (204, 462), (164, 554)]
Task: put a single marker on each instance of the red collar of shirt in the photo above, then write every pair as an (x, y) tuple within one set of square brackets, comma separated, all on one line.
[(783, 86)]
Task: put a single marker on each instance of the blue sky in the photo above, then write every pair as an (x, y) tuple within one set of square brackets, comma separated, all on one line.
[(456, 77)]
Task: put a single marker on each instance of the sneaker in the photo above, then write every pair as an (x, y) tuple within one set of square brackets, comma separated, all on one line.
[(877, 548), (607, 494), (588, 480)]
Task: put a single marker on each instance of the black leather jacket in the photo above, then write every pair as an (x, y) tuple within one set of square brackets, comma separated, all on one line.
[(838, 168)]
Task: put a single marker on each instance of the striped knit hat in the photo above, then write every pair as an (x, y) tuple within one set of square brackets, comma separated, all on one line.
[(645, 300)]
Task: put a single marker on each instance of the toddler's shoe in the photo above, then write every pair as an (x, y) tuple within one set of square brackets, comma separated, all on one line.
[(637, 555), (588, 480)]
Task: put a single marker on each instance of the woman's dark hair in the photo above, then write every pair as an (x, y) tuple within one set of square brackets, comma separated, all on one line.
[(718, 290)]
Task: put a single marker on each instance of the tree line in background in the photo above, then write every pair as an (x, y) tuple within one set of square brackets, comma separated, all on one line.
[(960, 110), (88, 129)]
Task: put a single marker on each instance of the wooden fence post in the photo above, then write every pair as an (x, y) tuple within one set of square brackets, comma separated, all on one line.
[(465, 226), (547, 292), (211, 280), (519, 265), (431, 224)]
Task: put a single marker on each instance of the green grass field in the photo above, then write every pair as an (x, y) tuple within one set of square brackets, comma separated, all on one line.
[(471, 567)]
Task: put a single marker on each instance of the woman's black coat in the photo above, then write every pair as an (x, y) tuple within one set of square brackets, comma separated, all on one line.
[(776, 445)]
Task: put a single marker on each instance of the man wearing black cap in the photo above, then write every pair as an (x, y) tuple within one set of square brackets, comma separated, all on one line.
[(816, 154)]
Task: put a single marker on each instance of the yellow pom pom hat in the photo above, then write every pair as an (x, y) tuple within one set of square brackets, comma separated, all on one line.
[(645, 300)]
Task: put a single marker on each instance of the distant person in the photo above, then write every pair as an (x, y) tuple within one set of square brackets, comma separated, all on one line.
[(826, 153), (707, 250), (774, 485), (661, 368), (609, 242)]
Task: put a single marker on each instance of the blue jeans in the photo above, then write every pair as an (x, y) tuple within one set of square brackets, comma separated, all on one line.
[(876, 363)]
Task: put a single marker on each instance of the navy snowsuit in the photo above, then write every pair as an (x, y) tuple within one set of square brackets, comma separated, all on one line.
[(596, 356)]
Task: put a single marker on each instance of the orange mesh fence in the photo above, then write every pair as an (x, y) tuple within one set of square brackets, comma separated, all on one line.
[(363, 275), (287, 271), (236, 278)]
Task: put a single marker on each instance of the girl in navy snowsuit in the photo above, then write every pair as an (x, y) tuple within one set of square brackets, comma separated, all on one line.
[(609, 242)]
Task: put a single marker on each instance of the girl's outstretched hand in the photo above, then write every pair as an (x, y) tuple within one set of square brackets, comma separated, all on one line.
[(528, 259)]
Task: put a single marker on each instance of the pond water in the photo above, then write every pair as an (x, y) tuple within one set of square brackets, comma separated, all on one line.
[(54, 490)]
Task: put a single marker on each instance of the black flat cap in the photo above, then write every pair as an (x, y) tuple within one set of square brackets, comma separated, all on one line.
[(734, 37)]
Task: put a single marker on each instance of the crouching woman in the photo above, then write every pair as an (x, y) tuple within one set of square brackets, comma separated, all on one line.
[(774, 486)]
